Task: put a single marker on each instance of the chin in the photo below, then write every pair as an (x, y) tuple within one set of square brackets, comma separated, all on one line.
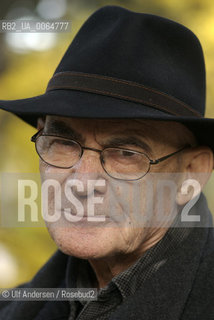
[(85, 243)]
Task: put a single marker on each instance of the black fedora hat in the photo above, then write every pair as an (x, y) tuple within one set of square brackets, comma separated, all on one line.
[(124, 64)]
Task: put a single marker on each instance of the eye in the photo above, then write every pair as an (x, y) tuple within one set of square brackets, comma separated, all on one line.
[(62, 142), (126, 153), (52, 142), (126, 156), (122, 156), (56, 145)]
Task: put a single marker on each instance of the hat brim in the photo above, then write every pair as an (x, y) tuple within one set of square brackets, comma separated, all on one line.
[(78, 104)]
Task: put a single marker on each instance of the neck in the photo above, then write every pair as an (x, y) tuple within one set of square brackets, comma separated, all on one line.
[(109, 267)]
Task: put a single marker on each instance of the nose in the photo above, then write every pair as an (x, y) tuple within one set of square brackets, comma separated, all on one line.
[(89, 170)]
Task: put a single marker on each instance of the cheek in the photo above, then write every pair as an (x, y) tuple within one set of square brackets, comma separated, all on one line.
[(128, 201), (126, 205), (96, 242), (168, 166), (49, 171), (52, 180)]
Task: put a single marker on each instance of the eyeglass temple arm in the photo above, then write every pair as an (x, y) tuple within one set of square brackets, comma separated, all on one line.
[(168, 155), (33, 138)]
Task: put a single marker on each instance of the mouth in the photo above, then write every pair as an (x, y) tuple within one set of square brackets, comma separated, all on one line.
[(85, 217)]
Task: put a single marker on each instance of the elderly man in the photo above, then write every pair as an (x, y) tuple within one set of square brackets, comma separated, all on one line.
[(121, 127)]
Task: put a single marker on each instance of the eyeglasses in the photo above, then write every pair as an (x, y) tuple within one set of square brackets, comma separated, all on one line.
[(118, 163)]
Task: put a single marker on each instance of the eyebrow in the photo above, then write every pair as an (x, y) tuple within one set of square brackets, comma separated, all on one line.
[(131, 140), (132, 136), (61, 128)]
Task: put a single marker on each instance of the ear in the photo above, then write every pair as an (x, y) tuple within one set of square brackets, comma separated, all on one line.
[(40, 123), (197, 168)]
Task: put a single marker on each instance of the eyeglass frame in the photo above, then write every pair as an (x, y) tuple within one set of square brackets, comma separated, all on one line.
[(151, 161)]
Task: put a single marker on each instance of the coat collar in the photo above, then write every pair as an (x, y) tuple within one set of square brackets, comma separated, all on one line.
[(164, 296)]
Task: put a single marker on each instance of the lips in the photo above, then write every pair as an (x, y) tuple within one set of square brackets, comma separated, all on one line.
[(85, 216)]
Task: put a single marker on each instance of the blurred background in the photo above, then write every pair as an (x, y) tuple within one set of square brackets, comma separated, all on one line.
[(27, 61)]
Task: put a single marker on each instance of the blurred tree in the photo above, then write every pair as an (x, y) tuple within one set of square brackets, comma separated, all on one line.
[(6, 6)]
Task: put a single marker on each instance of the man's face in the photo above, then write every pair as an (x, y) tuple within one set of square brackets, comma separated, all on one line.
[(118, 202)]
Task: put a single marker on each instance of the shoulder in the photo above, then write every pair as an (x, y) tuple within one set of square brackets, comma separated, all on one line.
[(51, 275), (200, 302)]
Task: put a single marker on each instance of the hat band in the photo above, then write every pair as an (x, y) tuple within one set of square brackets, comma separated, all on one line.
[(122, 89)]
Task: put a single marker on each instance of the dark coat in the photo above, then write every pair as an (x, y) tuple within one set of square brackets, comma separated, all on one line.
[(183, 288)]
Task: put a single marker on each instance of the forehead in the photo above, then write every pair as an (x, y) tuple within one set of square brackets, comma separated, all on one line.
[(155, 133)]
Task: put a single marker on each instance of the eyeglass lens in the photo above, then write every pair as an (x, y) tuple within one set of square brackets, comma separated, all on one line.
[(118, 163)]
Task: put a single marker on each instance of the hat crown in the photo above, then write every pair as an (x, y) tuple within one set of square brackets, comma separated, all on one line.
[(153, 51)]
